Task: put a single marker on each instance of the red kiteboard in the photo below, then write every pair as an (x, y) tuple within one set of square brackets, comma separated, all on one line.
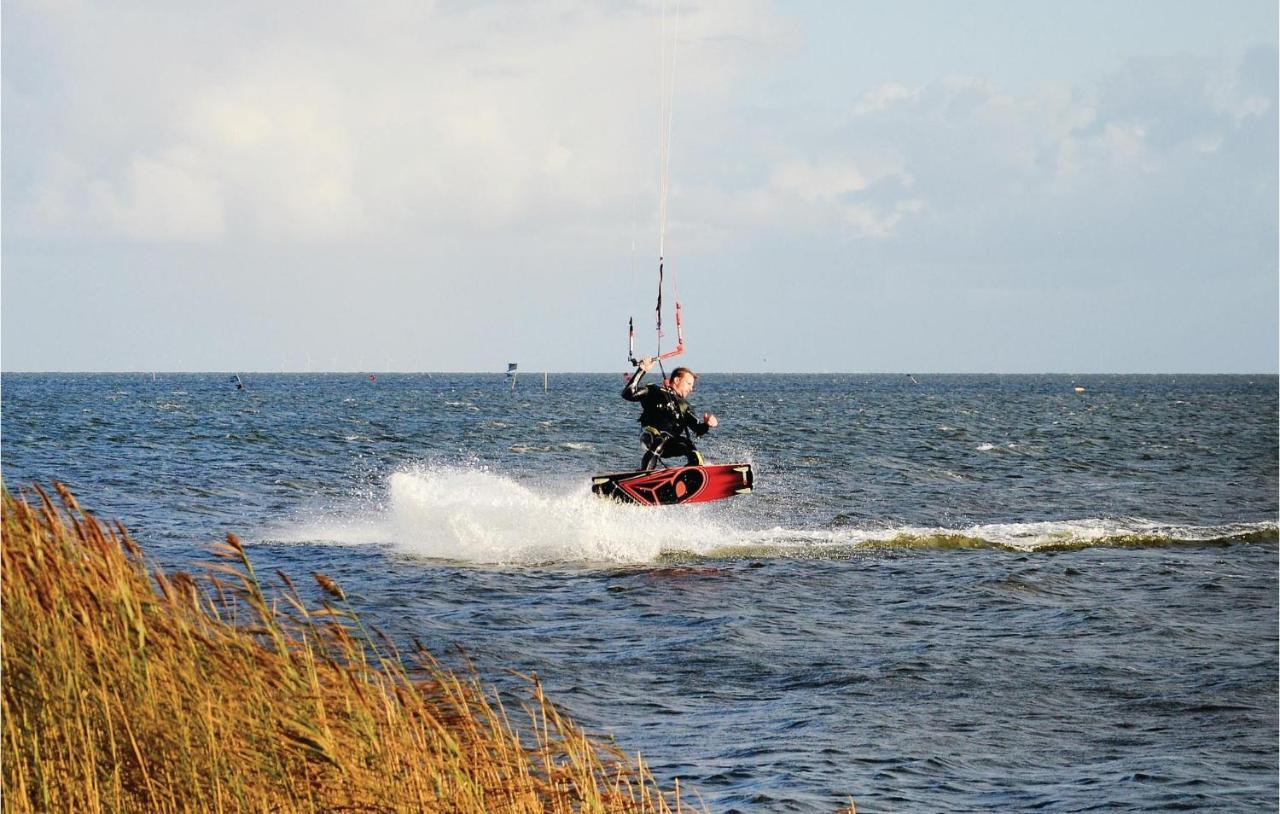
[(679, 484)]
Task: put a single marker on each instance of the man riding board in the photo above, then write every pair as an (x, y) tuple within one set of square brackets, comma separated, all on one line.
[(666, 416)]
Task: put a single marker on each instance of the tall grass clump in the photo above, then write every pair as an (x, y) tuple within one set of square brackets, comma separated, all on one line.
[(126, 689)]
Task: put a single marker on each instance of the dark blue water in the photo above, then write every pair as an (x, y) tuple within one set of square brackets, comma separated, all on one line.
[(966, 593)]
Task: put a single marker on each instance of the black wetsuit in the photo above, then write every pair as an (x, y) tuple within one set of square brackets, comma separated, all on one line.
[(668, 421)]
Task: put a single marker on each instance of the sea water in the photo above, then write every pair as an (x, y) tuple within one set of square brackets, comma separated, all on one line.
[(947, 593)]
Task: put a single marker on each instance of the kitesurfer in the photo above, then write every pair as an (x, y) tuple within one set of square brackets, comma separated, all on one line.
[(666, 416)]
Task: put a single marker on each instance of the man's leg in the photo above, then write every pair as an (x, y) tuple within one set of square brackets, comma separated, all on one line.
[(685, 447), (653, 450)]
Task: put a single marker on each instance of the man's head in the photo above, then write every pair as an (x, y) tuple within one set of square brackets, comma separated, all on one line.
[(682, 381)]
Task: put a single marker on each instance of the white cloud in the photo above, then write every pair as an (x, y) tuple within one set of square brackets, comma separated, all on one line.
[(462, 148), (167, 198), (824, 194), (883, 97), (871, 222), (413, 121), (818, 183), (285, 151), (379, 125), (963, 168), (1124, 144)]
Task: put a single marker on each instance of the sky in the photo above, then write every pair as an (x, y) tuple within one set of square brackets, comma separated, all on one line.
[(1009, 186)]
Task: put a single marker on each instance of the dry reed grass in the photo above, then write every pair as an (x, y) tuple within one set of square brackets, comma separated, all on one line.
[(123, 695)]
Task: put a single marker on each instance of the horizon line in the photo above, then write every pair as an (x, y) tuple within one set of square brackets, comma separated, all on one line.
[(504, 374)]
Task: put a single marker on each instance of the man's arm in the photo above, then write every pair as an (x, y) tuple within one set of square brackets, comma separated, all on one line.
[(633, 391), (701, 428)]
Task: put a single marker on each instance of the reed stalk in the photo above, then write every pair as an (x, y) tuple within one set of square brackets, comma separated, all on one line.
[(128, 689)]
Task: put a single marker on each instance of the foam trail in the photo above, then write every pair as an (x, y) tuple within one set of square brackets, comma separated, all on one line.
[(472, 514), (1033, 536), (1029, 537), (475, 515)]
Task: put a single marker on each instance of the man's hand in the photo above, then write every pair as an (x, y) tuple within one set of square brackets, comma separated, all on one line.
[(646, 363), (710, 420)]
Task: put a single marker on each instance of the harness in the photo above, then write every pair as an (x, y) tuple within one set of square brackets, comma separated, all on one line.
[(669, 412)]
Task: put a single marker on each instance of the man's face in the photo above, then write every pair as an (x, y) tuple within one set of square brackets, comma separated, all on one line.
[(682, 385)]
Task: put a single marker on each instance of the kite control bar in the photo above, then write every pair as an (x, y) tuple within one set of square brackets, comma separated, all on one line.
[(679, 348)]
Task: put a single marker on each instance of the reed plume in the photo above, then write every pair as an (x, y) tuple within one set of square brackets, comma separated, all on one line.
[(128, 689)]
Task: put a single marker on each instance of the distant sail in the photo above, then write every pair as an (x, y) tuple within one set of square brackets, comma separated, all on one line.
[(511, 368)]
